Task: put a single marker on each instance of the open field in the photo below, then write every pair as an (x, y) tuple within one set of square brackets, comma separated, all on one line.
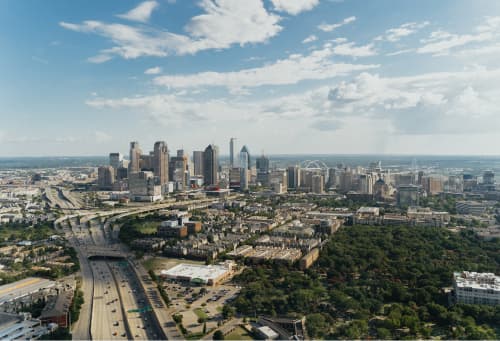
[(238, 334), (164, 263)]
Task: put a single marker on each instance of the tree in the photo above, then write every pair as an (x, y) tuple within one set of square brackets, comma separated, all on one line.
[(218, 335), (317, 325), (177, 318), (384, 333), (228, 311)]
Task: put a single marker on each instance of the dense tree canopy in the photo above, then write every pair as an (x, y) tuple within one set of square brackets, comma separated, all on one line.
[(382, 282)]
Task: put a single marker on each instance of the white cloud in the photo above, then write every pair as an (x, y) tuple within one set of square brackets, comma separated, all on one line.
[(101, 137), (101, 58), (168, 108), (437, 104), (395, 34), (351, 50), (141, 13), (330, 27), (294, 7), (295, 68), (442, 42), (153, 71), (309, 39), (227, 22), (489, 50), (396, 53), (219, 27), (444, 103)]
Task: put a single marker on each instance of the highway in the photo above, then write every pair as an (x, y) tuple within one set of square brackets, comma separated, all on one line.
[(162, 313), (140, 322), (125, 287), (81, 328), (109, 301), (107, 314)]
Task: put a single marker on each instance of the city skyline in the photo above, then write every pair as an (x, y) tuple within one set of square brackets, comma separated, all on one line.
[(299, 77)]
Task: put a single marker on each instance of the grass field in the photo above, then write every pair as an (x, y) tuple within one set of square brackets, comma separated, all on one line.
[(162, 263), (200, 313), (238, 334), (148, 227)]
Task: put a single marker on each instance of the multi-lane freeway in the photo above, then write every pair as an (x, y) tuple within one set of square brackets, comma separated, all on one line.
[(120, 302), (108, 318), (111, 294)]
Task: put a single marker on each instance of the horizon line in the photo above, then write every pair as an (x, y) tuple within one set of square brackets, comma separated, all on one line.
[(268, 154)]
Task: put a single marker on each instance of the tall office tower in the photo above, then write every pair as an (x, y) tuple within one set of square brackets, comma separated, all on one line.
[(247, 151), (115, 160), (160, 163), (178, 170), (262, 164), (454, 184), (105, 177), (198, 162), (185, 165), (432, 184), (293, 177), (211, 165), (278, 180), (366, 182), (135, 157), (146, 162), (231, 152), (420, 177), (121, 173), (235, 178), (488, 178), (317, 184), (244, 168), (332, 178), (345, 180), (409, 195)]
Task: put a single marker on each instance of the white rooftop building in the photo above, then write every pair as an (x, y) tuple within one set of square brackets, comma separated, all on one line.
[(201, 274), (477, 288)]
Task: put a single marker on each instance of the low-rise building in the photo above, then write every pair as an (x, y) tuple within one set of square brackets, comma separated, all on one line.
[(148, 244), (57, 309), (20, 327), (473, 207), (193, 226), (200, 274), (476, 288), (309, 259)]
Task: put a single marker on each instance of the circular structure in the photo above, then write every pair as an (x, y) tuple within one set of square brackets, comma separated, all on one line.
[(313, 164)]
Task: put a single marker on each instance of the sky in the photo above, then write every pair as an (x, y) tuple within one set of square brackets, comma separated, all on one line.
[(86, 77)]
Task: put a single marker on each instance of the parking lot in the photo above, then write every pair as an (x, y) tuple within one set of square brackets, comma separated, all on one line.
[(199, 302)]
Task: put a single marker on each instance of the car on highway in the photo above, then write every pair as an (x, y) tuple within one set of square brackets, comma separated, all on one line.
[(116, 323)]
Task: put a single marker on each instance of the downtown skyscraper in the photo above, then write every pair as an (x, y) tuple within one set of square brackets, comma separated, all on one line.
[(231, 152), (160, 162), (135, 157), (211, 165)]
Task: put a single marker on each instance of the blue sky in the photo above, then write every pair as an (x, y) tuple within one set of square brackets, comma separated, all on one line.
[(284, 76)]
